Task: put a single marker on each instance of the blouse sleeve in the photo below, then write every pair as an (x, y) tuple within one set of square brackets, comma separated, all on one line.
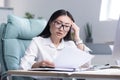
[(29, 58)]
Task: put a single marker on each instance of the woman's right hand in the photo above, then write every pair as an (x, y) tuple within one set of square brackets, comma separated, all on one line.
[(43, 64)]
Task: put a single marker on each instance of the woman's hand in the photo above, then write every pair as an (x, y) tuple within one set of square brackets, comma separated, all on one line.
[(86, 65), (76, 31), (77, 39), (43, 64)]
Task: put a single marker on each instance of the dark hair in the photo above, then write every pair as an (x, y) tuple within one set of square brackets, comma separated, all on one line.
[(46, 32)]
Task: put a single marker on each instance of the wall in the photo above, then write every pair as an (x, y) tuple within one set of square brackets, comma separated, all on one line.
[(3, 14), (82, 10)]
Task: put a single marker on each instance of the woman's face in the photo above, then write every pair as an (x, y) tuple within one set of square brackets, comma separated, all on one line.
[(60, 27)]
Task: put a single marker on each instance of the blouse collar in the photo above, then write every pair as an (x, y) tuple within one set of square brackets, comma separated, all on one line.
[(49, 42)]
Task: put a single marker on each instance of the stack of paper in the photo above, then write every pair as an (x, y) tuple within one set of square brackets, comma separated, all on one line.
[(68, 59), (71, 57)]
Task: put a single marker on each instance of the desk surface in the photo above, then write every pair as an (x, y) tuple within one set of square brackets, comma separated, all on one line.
[(105, 73)]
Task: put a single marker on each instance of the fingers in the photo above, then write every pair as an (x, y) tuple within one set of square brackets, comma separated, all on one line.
[(75, 27), (47, 64), (76, 32)]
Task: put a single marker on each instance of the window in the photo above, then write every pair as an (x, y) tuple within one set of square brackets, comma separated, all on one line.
[(1, 3), (110, 9)]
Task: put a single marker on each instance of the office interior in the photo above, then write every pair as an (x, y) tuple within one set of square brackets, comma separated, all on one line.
[(83, 11)]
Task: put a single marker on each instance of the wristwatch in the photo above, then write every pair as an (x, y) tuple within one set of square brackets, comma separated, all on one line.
[(78, 42)]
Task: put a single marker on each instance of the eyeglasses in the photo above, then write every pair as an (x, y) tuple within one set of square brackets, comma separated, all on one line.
[(59, 24)]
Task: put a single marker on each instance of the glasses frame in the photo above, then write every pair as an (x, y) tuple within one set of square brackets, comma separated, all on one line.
[(59, 25)]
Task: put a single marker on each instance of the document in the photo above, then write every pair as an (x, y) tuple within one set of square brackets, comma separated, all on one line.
[(72, 57), (68, 59), (54, 69)]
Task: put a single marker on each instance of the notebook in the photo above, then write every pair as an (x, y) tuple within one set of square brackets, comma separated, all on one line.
[(53, 69)]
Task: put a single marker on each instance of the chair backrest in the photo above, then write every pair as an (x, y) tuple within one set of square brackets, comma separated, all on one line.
[(16, 37), (1, 31)]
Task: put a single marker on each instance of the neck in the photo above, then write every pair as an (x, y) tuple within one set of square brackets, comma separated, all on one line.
[(55, 41)]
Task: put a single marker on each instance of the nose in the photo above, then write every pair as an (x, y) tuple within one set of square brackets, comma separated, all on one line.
[(61, 27)]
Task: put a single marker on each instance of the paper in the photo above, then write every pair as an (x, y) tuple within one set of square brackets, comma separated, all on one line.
[(71, 57), (53, 69)]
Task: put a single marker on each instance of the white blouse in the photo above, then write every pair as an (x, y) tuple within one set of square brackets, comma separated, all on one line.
[(42, 49)]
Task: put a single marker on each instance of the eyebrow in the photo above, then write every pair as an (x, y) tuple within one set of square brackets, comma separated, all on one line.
[(62, 22)]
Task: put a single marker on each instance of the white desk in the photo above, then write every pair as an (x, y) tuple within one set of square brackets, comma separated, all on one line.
[(102, 74)]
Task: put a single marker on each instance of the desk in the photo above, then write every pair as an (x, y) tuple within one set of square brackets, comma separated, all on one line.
[(102, 74)]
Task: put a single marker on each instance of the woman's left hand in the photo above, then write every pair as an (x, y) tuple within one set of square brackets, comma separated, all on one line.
[(76, 31), (76, 37), (86, 65)]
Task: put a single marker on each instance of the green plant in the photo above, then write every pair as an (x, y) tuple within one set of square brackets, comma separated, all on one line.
[(88, 30), (29, 15), (40, 17)]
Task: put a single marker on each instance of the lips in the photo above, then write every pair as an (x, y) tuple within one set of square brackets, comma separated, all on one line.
[(59, 33)]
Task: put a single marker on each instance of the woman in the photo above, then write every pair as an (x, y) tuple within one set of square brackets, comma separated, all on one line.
[(55, 37)]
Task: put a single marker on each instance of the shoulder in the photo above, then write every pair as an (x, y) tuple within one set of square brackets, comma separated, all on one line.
[(38, 38)]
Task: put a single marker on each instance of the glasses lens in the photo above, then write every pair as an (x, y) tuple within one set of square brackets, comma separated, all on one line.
[(59, 24), (66, 28)]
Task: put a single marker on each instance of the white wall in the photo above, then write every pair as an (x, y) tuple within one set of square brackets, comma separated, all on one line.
[(3, 14), (82, 10)]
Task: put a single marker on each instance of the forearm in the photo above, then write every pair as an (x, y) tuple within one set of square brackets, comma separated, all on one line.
[(78, 41), (80, 46), (77, 38)]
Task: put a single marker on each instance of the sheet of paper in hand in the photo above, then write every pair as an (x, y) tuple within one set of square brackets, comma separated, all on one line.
[(71, 57)]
